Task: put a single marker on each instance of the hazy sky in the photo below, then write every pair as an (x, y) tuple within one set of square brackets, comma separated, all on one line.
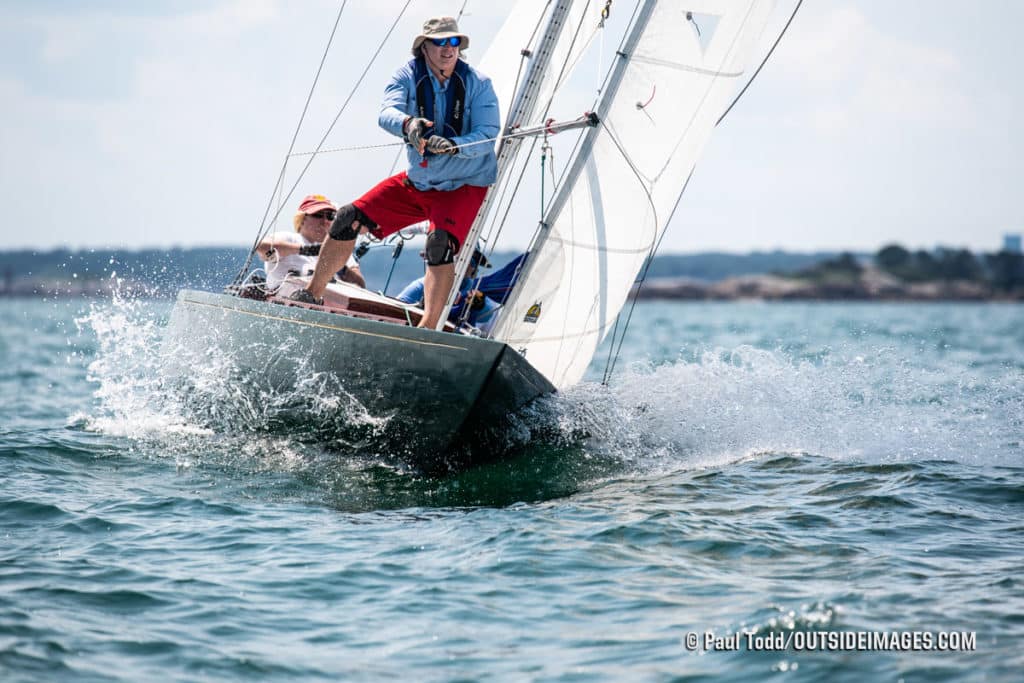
[(165, 123)]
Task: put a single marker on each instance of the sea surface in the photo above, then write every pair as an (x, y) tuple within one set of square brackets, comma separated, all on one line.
[(785, 491)]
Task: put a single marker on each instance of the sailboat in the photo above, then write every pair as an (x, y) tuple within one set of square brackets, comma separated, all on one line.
[(675, 71)]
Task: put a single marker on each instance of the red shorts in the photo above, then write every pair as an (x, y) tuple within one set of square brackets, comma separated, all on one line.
[(394, 203)]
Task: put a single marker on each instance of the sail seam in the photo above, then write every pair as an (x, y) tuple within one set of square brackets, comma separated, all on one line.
[(608, 250), (707, 92), (585, 333), (686, 67)]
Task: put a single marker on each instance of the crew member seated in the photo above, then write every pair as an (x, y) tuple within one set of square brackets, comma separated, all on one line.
[(295, 253), (482, 308)]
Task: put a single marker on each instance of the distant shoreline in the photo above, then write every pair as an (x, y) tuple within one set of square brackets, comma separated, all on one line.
[(891, 274), (870, 286)]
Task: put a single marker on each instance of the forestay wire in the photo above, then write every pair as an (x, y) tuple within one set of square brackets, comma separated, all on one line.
[(265, 225), (295, 136), (616, 344)]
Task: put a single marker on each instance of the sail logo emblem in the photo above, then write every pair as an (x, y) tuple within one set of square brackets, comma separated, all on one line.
[(532, 313)]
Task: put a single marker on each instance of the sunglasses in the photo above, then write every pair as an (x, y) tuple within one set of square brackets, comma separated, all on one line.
[(454, 41), (328, 215)]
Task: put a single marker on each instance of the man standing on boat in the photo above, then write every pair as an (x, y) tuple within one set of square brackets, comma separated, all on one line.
[(441, 106)]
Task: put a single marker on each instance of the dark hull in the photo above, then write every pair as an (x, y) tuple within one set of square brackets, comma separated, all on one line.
[(430, 389)]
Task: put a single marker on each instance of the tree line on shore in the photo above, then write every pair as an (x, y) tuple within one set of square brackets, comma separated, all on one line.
[(891, 272), (1003, 271)]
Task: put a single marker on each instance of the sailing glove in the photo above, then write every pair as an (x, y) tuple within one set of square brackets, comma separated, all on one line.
[(414, 130), (440, 145)]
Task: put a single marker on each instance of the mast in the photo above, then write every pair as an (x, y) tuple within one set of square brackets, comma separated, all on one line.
[(524, 102), (583, 154)]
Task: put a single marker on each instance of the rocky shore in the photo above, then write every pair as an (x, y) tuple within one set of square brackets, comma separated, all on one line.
[(871, 284), (868, 284)]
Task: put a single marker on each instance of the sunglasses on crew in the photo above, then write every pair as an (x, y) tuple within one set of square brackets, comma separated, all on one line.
[(441, 42), (329, 215)]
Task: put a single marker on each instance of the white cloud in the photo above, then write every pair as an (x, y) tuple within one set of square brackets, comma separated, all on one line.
[(156, 125), (858, 69)]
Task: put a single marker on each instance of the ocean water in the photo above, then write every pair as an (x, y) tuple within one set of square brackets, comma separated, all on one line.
[(790, 492)]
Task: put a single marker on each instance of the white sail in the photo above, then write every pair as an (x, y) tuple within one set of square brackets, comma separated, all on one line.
[(683, 63)]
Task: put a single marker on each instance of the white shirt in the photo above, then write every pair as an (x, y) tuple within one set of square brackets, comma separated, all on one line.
[(280, 267)]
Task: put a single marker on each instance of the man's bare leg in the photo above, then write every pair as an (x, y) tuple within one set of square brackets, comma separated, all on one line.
[(436, 285), (333, 255)]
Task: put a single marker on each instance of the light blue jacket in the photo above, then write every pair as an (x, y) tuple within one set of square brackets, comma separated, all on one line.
[(476, 165)]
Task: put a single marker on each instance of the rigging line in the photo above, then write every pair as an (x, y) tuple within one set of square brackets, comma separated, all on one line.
[(643, 278), (547, 108), (763, 62), (565, 63), (600, 92), (524, 133), (351, 94), (611, 347), (345, 104), (515, 191), (280, 186), (543, 162), (501, 227), (394, 164), (619, 52), (525, 53), (540, 20), (611, 368), (598, 29), (357, 148), (610, 364), (715, 74), (305, 108)]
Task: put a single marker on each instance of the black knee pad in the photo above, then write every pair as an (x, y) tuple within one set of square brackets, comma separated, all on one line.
[(441, 248), (347, 223)]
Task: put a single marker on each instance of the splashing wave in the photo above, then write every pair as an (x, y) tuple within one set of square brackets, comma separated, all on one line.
[(720, 406)]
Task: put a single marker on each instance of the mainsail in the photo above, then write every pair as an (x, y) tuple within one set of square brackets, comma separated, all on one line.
[(675, 74)]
